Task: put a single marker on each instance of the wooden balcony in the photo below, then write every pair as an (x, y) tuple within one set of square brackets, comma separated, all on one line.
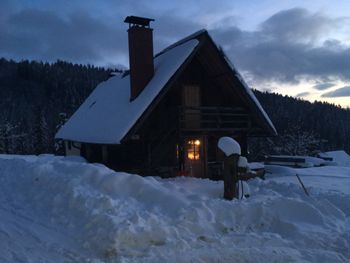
[(213, 119)]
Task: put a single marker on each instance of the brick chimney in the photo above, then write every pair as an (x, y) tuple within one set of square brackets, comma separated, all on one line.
[(140, 53)]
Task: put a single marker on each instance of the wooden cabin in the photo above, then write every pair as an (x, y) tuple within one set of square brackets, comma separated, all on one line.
[(165, 115)]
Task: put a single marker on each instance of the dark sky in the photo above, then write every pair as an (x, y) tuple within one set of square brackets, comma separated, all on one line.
[(299, 48)]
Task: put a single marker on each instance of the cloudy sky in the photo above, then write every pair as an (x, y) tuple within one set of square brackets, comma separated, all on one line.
[(299, 48)]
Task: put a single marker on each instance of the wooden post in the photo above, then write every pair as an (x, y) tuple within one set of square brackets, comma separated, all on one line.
[(230, 176), (232, 150)]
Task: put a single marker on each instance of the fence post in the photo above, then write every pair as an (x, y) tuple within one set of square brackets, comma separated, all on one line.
[(230, 176), (232, 151)]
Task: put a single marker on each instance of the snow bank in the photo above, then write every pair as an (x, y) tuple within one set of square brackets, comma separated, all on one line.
[(314, 161), (296, 160), (65, 211), (340, 157), (256, 166)]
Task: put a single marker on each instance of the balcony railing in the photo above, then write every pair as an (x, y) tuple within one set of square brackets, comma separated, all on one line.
[(213, 119)]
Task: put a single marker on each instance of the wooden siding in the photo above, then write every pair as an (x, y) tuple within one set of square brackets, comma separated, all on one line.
[(214, 119)]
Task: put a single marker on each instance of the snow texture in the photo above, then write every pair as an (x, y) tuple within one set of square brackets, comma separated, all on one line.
[(243, 162), (340, 157), (256, 166), (309, 160), (57, 210), (229, 146), (107, 114), (243, 189)]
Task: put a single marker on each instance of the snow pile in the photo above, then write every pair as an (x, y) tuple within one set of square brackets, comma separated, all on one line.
[(314, 161), (256, 166), (340, 157), (57, 210), (296, 160), (243, 162)]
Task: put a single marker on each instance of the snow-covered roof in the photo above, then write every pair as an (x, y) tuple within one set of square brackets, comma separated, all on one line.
[(107, 114)]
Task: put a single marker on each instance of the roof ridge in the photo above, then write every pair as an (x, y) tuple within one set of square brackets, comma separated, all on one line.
[(182, 41), (177, 43)]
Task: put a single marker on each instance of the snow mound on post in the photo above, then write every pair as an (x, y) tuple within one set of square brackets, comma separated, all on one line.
[(229, 146)]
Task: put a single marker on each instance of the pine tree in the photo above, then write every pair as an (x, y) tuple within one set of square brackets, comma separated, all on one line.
[(47, 139), (59, 143), (40, 133)]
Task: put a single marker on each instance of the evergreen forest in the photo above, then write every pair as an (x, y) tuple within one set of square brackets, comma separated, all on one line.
[(36, 98)]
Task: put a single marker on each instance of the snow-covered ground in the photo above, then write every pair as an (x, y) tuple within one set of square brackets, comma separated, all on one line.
[(55, 209)]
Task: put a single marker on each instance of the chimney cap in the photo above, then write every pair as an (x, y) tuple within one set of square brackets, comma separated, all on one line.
[(136, 20)]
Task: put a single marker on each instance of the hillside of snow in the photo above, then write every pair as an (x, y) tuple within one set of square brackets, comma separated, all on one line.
[(56, 209)]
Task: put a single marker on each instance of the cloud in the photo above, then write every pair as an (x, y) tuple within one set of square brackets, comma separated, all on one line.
[(341, 92), (323, 86), (169, 29), (297, 24), (287, 47), (43, 35), (302, 94), (79, 36)]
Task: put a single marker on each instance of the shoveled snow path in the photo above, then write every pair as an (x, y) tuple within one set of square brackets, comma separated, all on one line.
[(54, 210)]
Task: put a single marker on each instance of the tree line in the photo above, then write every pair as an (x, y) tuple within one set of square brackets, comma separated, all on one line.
[(37, 97), (304, 128)]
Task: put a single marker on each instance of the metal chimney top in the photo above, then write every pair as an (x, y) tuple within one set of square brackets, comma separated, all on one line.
[(136, 20)]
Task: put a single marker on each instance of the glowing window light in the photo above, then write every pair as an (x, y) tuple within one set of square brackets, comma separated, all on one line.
[(193, 149)]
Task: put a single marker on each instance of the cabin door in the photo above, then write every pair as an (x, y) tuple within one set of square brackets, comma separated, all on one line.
[(195, 156), (194, 146)]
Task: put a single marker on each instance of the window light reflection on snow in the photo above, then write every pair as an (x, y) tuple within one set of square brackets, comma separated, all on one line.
[(193, 149)]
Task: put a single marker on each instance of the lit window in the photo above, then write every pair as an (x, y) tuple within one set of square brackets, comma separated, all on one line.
[(193, 149)]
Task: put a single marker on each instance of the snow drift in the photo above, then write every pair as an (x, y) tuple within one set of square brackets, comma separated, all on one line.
[(340, 157), (58, 210)]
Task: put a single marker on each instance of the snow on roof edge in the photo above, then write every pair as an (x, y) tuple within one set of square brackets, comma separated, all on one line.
[(244, 84), (181, 41), (256, 101), (249, 92)]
